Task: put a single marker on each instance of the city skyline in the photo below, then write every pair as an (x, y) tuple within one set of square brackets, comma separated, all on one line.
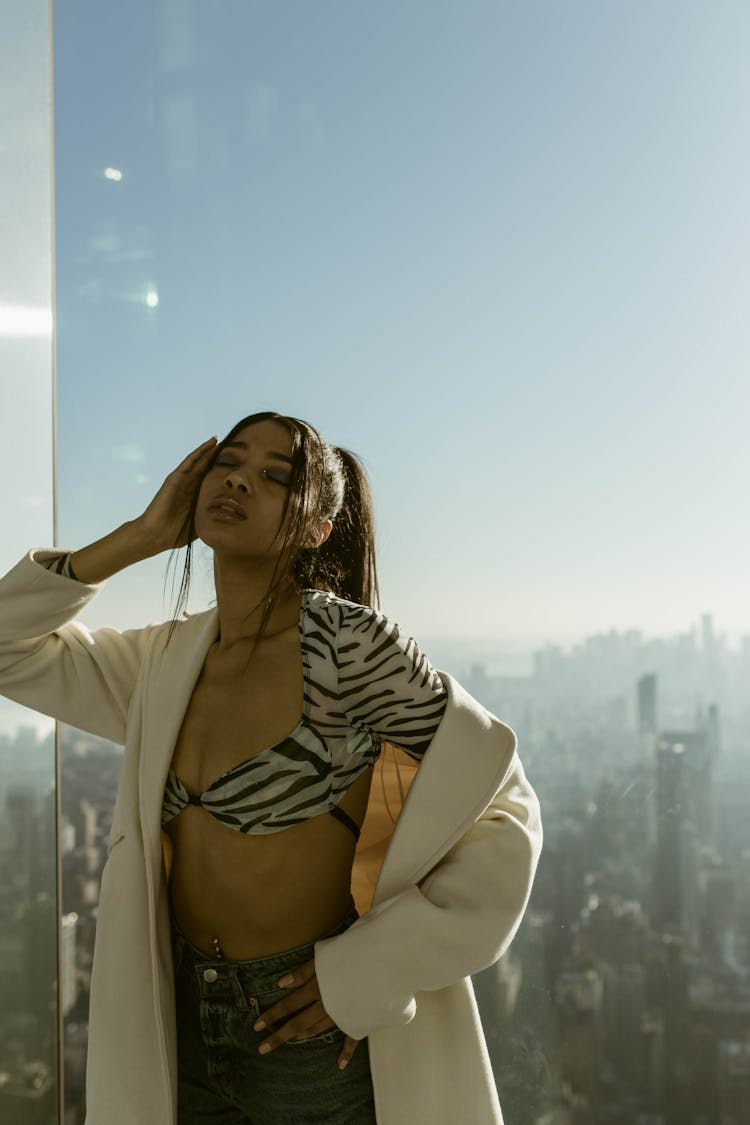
[(461, 657), (625, 991)]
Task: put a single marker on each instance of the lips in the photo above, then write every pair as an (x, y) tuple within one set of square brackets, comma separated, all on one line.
[(228, 506)]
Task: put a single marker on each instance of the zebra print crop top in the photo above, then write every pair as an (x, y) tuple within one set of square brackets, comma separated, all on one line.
[(363, 681)]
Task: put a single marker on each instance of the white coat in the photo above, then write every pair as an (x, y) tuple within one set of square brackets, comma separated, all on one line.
[(447, 901)]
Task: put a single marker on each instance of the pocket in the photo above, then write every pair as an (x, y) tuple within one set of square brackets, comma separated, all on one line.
[(327, 1038)]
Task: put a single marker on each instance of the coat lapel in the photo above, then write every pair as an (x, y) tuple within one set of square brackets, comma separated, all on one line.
[(167, 693)]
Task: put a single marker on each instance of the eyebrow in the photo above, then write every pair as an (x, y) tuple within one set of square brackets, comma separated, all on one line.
[(270, 453)]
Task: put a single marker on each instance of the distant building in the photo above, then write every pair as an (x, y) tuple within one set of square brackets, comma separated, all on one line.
[(647, 720), (683, 803), (579, 1003), (68, 975)]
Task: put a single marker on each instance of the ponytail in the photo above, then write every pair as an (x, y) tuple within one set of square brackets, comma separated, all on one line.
[(345, 563)]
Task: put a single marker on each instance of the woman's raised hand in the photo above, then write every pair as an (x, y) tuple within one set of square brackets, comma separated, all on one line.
[(163, 521), (156, 530)]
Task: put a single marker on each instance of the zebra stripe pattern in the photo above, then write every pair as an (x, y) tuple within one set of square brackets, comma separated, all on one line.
[(364, 681)]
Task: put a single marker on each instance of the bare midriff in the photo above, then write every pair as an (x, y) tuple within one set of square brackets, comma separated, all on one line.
[(266, 893)]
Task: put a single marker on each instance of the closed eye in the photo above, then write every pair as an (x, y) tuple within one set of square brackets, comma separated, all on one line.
[(277, 475)]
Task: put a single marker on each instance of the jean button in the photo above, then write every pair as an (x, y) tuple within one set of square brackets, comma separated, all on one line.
[(210, 975)]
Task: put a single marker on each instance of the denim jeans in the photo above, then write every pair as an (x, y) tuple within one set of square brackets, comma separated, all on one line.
[(223, 1080)]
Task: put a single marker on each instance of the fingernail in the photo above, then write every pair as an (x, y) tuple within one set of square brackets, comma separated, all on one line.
[(259, 1026), (342, 1063), (286, 981), (264, 1049)]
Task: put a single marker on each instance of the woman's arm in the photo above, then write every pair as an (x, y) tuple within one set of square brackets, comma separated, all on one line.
[(123, 547), (464, 912), (54, 664), (386, 684), (461, 918), (157, 530)]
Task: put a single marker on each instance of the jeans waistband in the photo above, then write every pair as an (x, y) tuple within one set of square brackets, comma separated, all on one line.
[(259, 966)]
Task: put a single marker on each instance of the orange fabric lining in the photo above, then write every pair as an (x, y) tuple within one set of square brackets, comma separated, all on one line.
[(393, 776)]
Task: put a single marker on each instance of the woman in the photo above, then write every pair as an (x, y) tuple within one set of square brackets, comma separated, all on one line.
[(232, 979)]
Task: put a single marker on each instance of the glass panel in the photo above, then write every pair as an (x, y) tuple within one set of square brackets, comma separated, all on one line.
[(28, 875), (501, 252)]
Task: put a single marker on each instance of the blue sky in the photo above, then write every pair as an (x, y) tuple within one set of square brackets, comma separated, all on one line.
[(499, 250)]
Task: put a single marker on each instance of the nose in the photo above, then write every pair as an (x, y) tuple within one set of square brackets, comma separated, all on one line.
[(234, 480)]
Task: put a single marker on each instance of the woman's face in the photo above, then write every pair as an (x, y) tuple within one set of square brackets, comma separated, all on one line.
[(242, 497)]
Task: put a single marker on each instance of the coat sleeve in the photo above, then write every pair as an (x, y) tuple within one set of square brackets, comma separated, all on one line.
[(460, 918), (55, 665)]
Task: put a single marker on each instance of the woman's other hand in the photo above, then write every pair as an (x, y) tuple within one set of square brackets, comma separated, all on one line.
[(163, 521), (308, 1016)]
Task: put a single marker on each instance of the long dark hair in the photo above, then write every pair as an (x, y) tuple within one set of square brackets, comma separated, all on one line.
[(326, 482)]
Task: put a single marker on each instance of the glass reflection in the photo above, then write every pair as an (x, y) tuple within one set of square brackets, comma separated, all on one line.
[(90, 769), (28, 925), (28, 854)]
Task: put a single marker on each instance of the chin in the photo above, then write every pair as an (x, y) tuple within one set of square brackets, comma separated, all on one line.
[(209, 533)]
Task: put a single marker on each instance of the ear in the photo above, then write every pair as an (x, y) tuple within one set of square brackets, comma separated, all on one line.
[(325, 529)]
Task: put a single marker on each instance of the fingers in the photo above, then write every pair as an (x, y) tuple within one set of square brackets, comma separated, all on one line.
[(197, 455), (350, 1045), (301, 975), (303, 1006), (305, 992), (310, 1021)]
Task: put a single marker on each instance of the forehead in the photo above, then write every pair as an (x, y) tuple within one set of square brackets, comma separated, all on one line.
[(264, 436)]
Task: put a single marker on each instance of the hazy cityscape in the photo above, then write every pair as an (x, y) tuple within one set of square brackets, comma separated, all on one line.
[(500, 252), (625, 997)]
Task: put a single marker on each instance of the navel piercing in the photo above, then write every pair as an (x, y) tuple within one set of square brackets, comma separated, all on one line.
[(217, 949)]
